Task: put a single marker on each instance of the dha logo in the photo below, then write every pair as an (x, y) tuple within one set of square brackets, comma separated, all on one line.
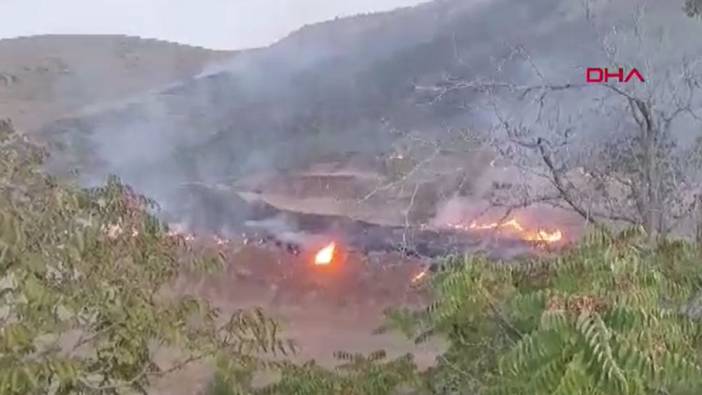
[(596, 75)]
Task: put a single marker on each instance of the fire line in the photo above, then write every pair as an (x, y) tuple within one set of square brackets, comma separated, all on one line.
[(514, 226)]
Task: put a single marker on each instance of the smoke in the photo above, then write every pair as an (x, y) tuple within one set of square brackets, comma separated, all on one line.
[(458, 210), (285, 231), (330, 90)]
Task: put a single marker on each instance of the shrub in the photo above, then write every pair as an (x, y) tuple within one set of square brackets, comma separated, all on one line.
[(81, 275), (610, 317)]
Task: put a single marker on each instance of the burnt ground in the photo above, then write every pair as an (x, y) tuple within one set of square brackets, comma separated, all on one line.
[(329, 308), (323, 308)]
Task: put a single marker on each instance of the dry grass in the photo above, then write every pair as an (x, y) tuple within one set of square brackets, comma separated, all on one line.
[(44, 78)]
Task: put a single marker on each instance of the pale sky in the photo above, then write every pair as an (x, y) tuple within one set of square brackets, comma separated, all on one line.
[(219, 24)]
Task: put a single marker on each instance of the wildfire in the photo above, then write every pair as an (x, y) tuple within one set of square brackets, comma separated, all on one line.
[(514, 226), (325, 255), (548, 237), (417, 278)]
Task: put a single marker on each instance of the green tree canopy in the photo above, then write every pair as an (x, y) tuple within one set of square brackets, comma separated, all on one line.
[(609, 317), (82, 275)]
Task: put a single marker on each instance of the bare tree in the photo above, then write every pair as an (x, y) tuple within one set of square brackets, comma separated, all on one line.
[(693, 8), (612, 152)]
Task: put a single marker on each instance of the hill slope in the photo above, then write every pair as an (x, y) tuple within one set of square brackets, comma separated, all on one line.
[(43, 78), (338, 90)]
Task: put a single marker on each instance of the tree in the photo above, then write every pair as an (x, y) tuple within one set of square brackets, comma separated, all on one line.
[(693, 8), (83, 275), (609, 317), (644, 171)]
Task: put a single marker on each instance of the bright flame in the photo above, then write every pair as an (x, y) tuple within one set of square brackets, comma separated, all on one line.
[(419, 276), (325, 255), (512, 223), (548, 237), (514, 226)]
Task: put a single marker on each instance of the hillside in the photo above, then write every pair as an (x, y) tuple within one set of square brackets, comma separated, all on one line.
[(338, 193), (91, 308), (337, 90), (43, 78)]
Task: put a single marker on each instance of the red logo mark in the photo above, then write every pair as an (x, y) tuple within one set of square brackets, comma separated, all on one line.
[(596, 75)]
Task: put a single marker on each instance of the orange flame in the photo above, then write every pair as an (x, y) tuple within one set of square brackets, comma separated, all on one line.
[(417, 278), (513, 225), (325, 255), (548, 237)]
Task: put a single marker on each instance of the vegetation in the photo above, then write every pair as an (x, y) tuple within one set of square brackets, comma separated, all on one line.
[(358, 374), (83, 309), (609, 317), (82, 281)]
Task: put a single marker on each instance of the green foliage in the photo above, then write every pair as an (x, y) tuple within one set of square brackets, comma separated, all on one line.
[(82, 281), (609, 317), (83, 310), (356, 375)]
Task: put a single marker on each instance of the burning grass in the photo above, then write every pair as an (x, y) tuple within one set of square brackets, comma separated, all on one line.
[(512, 227)]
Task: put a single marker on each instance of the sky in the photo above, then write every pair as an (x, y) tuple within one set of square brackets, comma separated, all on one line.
[(216, 24)]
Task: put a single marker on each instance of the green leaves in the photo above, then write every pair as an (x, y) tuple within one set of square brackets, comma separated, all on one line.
[(80, 276), (607, 317), (356, 375), (16, 338), (574, 379), (81, 310), (600, 356)]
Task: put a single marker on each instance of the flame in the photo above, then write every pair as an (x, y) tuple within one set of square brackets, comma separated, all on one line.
[(325, 255), (514, 226), (419, 276), (512, 223), (548, 237)]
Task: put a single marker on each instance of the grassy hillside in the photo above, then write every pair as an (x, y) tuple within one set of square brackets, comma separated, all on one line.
[(45, 77)]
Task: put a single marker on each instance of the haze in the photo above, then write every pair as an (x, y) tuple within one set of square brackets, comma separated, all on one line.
[(217, 24)]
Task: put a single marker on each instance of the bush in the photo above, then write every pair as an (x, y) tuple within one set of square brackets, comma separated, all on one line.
[(81, 310), (610, 317), (356, 375), (81, 275)]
